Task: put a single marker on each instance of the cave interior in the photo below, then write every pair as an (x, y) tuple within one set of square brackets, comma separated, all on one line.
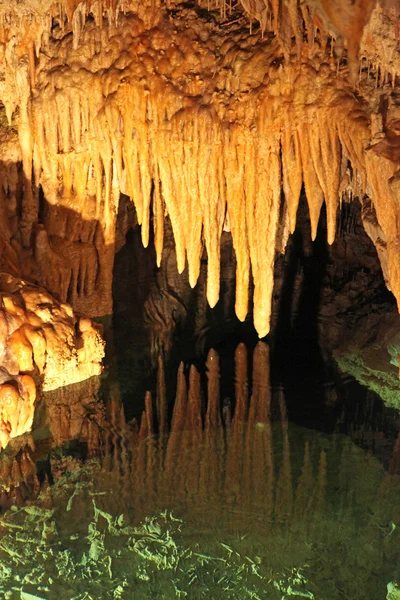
[(199, 299)]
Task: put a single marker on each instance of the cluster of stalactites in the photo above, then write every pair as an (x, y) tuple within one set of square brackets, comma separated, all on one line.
[(32, 23), (26, 29), (187, 164), (151, 141)]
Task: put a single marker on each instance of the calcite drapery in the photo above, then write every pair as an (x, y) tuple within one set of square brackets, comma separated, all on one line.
[(193, 117)]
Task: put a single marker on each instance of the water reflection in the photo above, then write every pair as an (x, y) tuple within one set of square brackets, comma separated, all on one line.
[(308, 514)]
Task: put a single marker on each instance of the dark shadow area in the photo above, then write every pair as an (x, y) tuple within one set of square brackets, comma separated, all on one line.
[(297, 360), (129, 349), (321, 291)]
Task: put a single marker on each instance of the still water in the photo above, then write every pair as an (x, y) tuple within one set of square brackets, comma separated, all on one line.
[(215, 492)]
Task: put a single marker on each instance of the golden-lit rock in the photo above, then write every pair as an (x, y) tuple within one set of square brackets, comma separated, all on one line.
[(194, 117), (41, 347)]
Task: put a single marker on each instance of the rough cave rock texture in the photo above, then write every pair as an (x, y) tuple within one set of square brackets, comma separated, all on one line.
[(42, 345), (197, 114)]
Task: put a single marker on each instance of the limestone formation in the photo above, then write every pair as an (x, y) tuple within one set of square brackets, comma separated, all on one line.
[(200, 115), (43, 346)]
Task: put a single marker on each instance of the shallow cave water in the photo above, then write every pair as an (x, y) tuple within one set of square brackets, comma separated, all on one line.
[(205, 462)]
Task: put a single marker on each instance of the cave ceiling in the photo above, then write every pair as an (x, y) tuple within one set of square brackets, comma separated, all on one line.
[(215, 115)]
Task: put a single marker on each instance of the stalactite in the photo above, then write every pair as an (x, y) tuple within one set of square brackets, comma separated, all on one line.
[(235, 152), (380, 175), (325, 152), (29, 208), (158, 211), (213, 417), (161, 398), (262, 213), (292, 176), (314, 193)]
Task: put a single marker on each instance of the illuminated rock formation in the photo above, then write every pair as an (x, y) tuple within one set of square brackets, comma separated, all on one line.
[(196, 118), (44, 345)]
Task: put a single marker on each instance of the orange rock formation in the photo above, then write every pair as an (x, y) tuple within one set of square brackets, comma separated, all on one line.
[(198, 116), (42, 343)]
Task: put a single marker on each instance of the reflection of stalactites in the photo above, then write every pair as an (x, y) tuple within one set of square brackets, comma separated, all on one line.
[(143, 430), (90, 432), (304, 489), (258, 430), (173, 450), (211, 474), (119, 426), (235, 435), (193, 420), (162, 416), (161, 397), (153, 452), (110, 441), (261, 383), (319, 495), (262, 465), (146, 425), (193, 434), (213, 416), (241, 386), (283, 410), (180, 406), (144, 456), (284, 488), (139, 472)]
